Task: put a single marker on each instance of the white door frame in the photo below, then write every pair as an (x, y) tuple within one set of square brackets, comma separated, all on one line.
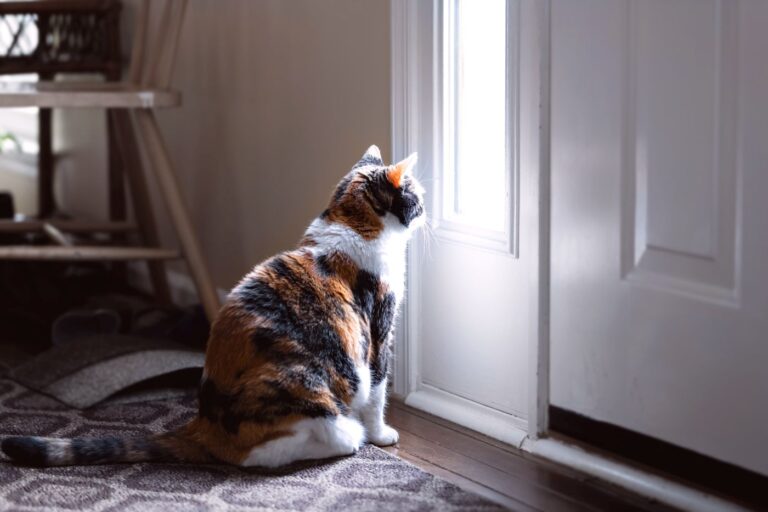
[(416, 126)]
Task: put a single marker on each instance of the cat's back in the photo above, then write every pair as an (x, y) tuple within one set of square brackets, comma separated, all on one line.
[(289, 336), (295, 306), (299, 288)]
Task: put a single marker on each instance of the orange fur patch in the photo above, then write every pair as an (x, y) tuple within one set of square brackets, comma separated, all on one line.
[(395, 174), (353, 211)]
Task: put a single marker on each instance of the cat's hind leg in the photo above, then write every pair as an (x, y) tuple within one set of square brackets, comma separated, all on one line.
[(317, 438)]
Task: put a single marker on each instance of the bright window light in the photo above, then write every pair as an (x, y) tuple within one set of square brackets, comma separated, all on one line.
[(18, 126), (477, 188), (19, 31)]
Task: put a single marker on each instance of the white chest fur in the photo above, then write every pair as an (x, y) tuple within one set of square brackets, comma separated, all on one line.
[(383, 257)]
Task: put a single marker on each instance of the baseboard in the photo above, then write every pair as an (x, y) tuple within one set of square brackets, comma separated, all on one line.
[(628, 477), (504, 427), (699, 469), (183, 290)]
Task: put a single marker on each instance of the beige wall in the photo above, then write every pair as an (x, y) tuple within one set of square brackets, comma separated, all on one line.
[(280, 99)]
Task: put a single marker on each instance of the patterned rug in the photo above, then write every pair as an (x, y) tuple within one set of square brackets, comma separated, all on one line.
[(371, 480)]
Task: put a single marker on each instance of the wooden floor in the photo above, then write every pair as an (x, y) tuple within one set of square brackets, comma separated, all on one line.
[(500, 472)]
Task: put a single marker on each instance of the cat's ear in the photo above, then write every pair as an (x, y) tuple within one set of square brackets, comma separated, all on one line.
[(396, 172), (372, 153)]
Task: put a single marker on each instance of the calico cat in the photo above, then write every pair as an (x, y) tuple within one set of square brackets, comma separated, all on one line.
[(296, 362)]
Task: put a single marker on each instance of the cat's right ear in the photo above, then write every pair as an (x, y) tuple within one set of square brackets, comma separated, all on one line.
[(397, 171)]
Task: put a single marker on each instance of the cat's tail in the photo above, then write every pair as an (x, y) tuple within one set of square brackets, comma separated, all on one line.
[(177, 446)]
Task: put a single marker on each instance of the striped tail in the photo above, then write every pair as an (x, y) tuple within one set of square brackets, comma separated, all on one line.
[(49, 451)]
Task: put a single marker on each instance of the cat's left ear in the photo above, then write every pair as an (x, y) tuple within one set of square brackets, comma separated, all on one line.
[(372, 152), (396, 172), (372, 155)]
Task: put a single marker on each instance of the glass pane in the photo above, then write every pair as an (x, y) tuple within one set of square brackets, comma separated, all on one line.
[(480, 190)]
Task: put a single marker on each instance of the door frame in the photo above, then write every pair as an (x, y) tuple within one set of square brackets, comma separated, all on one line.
[(416, 37)]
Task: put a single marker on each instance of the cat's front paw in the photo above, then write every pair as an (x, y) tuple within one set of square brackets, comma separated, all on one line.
[(383, 436)]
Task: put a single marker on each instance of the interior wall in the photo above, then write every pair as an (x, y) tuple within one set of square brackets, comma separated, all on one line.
[(279, 100)]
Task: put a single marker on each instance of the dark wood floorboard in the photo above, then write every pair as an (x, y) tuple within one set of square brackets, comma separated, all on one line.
[(464, 483), (501, 472)]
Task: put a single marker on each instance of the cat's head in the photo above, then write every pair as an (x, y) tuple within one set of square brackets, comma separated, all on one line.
[(374, 197)]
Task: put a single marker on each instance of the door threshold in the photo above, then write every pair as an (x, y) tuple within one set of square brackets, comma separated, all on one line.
[(482, 421)]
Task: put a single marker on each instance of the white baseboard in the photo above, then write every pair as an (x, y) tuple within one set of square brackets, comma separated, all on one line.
[(183, 290), (493, 423), (628, 477)]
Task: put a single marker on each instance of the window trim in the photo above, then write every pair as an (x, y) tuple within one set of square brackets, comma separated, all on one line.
[(448, 225)]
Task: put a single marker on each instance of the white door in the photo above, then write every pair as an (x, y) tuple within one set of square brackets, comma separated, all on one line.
[(659, 299), (467, 321)]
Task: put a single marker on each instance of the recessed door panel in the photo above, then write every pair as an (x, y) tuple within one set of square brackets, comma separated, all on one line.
[(680, 167)]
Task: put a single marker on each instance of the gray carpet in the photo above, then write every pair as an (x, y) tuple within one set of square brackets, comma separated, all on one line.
[(371, 480)]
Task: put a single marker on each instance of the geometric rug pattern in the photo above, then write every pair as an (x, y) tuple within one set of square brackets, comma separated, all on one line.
[(371, 480)]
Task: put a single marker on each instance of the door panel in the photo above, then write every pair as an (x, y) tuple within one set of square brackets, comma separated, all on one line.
[(673, 41), (475, 329), (680, 170), (659, 243)]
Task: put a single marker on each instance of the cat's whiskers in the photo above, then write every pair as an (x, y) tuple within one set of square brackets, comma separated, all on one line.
[(428, 236)]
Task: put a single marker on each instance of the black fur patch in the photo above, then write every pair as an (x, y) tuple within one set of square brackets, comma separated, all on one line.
[(406, 206), (377, 201), (217, 407), (364, 293), (150, 449), (342, 187), (324, 266), (26, 450), (383, 317), (382, 321), (368, 160)]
